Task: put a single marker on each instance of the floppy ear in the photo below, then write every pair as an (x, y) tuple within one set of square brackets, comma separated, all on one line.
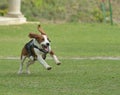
[(49, 40), (32, 35), (41, 30)]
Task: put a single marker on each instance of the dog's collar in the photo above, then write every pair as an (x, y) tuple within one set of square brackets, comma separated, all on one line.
[(42, 50)]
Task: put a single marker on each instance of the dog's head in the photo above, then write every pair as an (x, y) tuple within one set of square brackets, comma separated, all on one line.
[(42, 40)]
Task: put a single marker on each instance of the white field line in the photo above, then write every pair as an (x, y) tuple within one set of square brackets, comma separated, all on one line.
[(70, 58)]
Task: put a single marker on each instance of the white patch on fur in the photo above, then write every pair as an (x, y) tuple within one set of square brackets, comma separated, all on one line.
[(56, 59)]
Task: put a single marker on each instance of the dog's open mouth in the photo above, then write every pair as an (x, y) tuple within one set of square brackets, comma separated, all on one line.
[(46, 48)]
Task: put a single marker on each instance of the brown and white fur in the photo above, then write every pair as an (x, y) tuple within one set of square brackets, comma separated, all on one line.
[(39, 40)]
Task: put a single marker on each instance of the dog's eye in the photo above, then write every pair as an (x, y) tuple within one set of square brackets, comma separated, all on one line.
[(42, 39)]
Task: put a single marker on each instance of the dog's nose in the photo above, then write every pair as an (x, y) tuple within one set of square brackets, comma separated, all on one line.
[(47, 44)]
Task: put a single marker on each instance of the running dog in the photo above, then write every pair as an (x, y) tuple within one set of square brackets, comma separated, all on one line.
[(37, 49)]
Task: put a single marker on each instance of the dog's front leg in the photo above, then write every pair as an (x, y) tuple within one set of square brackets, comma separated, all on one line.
[(55, 58), (42, 61)]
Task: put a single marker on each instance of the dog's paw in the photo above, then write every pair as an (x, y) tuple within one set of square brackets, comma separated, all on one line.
[(49, 68), (28, 72), (20, 72), (58, 63)]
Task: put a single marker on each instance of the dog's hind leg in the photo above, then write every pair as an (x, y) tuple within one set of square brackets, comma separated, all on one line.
[(27, 66), (55, 58), (21, 64)]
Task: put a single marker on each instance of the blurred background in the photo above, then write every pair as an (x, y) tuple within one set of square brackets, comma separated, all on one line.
[(60, 11)]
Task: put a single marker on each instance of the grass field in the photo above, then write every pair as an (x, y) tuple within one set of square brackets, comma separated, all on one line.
[(73, 77), (67, 39)]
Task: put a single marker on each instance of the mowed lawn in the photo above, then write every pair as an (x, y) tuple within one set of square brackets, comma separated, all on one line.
[(68, 40), (73, 76)]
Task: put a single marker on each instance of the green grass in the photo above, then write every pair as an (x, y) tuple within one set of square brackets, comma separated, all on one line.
[(73, 77), (67, 39)]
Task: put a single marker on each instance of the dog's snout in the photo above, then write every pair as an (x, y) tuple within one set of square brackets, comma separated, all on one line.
[(47, 44)]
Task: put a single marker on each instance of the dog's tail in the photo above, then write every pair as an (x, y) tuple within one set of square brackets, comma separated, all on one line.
[(41, 30)]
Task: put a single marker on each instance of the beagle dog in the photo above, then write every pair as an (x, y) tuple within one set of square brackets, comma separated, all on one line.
[(37, 49)]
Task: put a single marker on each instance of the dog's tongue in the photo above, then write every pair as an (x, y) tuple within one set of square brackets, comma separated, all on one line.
[(46, 49)]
